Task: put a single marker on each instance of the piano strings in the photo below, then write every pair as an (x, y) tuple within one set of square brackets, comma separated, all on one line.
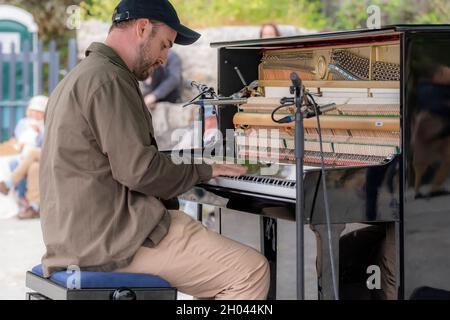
[(332, 64), (352, 134)]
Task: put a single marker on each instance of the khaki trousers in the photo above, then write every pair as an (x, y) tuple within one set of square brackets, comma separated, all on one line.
[(204, 264), (29, 167)]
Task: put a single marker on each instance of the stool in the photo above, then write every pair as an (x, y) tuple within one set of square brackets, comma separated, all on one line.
[(97, 286)]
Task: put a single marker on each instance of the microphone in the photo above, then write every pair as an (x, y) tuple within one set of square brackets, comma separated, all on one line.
[(287, 101), (200, 87), (296, 82), (327, 107), (310, 113), (204, 91)]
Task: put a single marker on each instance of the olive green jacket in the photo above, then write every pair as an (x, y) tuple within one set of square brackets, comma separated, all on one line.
[(101, 174)]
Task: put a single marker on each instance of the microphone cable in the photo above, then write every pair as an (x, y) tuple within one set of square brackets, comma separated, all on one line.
[(325, 198), (309, 99), (286, 119)]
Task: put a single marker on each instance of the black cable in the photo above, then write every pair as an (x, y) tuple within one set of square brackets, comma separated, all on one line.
[(286, 119), (325, 196)]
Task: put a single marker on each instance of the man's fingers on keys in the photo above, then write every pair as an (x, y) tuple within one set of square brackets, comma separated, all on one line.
[(228, 170), (236, 170)]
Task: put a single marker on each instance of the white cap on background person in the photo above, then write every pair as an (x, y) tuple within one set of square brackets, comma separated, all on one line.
[(38, 103)]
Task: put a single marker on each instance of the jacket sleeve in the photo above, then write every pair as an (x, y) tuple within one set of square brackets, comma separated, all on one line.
[(116, 115)]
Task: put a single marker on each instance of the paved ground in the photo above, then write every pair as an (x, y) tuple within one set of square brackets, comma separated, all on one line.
[(21, 249)]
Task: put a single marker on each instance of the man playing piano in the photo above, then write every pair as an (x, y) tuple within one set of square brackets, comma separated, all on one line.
[(103, 180)]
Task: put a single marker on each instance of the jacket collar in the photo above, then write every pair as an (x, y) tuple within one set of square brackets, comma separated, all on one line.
[(108, 52)]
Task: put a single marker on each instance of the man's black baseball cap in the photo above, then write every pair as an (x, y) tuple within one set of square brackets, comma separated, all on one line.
[(160, 10)]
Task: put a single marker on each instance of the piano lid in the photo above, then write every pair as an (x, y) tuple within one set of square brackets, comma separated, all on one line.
[(385, 33)]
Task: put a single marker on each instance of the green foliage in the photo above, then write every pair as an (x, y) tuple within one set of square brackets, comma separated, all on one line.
[(313, 14), (51, 17), (205, 13), (349, 15), (98, 9), (439, 14), (352, 14)]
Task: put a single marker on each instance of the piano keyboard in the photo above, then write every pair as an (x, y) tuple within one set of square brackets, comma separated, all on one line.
[(282, 185), (257, 185)]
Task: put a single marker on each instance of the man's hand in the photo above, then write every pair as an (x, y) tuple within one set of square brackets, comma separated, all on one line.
[(36, 128), (150, 100), (233, 170)]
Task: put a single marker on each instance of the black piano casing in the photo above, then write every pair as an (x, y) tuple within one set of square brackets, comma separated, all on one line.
[(423, 218)]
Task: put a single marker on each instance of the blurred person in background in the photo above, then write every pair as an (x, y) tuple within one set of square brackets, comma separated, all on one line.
[(29, 130), (165, 84), (24, 176), (269, 30)]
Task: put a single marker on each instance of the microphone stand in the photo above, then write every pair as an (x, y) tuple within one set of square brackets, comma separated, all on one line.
[(297, 90), (213, 99), (202, 144), (203, 90)]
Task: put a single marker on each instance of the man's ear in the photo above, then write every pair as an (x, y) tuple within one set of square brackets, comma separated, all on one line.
[(141, 26)]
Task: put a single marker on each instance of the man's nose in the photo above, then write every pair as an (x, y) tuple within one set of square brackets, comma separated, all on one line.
[(163, 57)]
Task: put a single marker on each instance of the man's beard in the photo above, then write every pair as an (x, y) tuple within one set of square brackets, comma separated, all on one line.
[(144, 68)]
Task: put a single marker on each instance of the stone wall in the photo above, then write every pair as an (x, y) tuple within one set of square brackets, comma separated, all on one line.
[(199, 60)]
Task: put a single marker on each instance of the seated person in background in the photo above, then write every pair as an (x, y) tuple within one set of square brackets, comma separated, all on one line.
[(166, 82), (28, 136), (29, 130), (29, 168), (269, 30)]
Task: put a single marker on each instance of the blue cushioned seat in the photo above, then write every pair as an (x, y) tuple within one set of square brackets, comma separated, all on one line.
[(91, 280)]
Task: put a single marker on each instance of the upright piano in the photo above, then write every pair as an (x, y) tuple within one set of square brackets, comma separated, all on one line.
[(386, 150)]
